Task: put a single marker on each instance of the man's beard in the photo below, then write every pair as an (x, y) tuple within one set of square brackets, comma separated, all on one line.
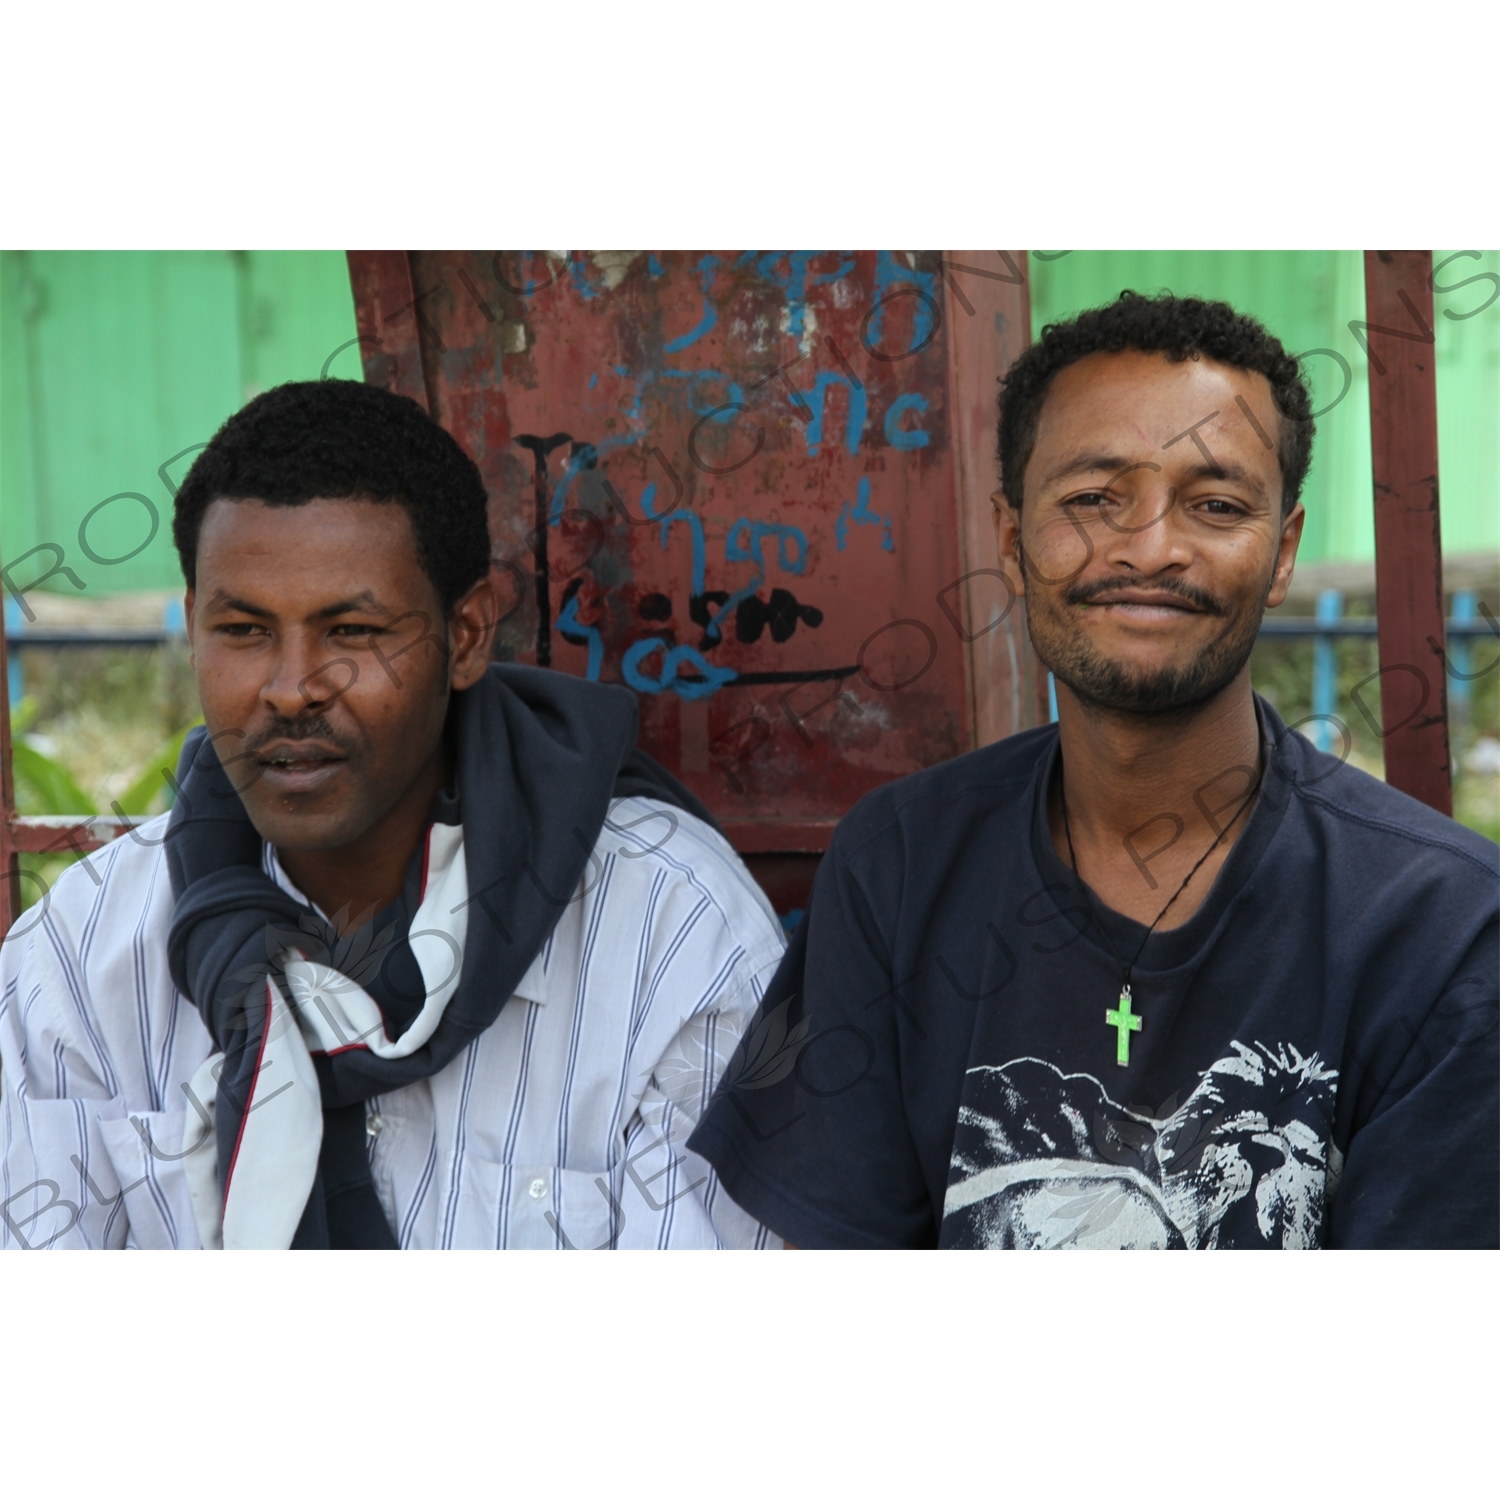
[(1107, 684)]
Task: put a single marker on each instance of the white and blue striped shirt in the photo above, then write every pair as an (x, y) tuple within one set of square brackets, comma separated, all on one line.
[(563, 1125)]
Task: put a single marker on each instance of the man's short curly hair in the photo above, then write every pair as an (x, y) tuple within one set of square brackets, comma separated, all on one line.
[(1179, 327), (344, 440)]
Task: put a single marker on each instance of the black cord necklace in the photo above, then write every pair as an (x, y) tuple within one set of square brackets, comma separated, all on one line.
[(1122, 1019)]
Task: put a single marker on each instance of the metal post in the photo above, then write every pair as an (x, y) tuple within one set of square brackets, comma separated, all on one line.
[(1325, 683), (389, 315), (1465, 610), (1400, 340), (987, 312), (10, 854), (15, 623)]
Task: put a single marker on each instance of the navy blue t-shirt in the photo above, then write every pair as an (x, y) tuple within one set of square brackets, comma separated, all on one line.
[(1316, 1063)]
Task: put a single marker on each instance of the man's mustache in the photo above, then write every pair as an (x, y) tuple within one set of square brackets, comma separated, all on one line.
[(1199, 598), (316, 728)]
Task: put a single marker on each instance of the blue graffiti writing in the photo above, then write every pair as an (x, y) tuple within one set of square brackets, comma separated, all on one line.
[(571, 628), (903, 438), (860, 514), (584, 456), (744, 544), (796, 281), (854, 425), (634, 413), (699, 403), (888, 271), (706, 268), (678, 517), (587, 455), (578, 270), (708, 682)]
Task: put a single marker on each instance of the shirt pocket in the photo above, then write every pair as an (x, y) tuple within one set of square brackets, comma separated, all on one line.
[(145, 1150), (516, 1207)]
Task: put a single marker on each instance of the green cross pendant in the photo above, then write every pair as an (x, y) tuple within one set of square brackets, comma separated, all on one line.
[(1124, 1023)]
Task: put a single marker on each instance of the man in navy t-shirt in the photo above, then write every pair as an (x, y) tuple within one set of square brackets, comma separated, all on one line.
[(1162, 974)]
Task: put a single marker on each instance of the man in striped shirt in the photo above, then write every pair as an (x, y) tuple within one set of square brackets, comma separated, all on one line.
[(427, 953)]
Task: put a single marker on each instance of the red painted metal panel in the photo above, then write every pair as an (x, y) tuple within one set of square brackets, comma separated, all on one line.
[(1408, 544), (388, 317), (729, 480), (989, 311)]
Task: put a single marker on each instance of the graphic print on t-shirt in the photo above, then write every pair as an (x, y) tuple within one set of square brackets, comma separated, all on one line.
[(1044, 1159)]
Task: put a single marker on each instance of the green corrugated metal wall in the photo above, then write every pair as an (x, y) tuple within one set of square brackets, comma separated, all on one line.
[(112, 363)]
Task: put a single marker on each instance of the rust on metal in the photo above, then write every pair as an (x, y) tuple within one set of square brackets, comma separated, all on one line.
[(388, 318), (989, 326), (751, 486), (1400, 338)]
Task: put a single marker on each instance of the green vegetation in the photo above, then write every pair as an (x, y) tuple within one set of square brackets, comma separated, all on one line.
[(95, 733)]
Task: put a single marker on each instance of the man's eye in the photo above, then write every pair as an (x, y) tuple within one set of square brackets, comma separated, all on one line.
[(1091, 499), (1223, 508), (357, 632), (237, 629)]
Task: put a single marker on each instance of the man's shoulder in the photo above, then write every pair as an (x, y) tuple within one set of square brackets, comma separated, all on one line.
[(949, 798), (117, 893), (655, 847), (91, 955), (1365, 813)]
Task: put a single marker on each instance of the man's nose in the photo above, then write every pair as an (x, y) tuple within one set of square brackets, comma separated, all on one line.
[(306, 676), (1147, 534)]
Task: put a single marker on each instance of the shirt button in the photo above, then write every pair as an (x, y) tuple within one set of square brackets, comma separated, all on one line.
[(538, 1188), (374, 1125)]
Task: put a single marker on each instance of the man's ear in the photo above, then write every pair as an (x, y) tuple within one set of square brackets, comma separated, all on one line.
[(1286, 556), (471, 628), (1008, 540)]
